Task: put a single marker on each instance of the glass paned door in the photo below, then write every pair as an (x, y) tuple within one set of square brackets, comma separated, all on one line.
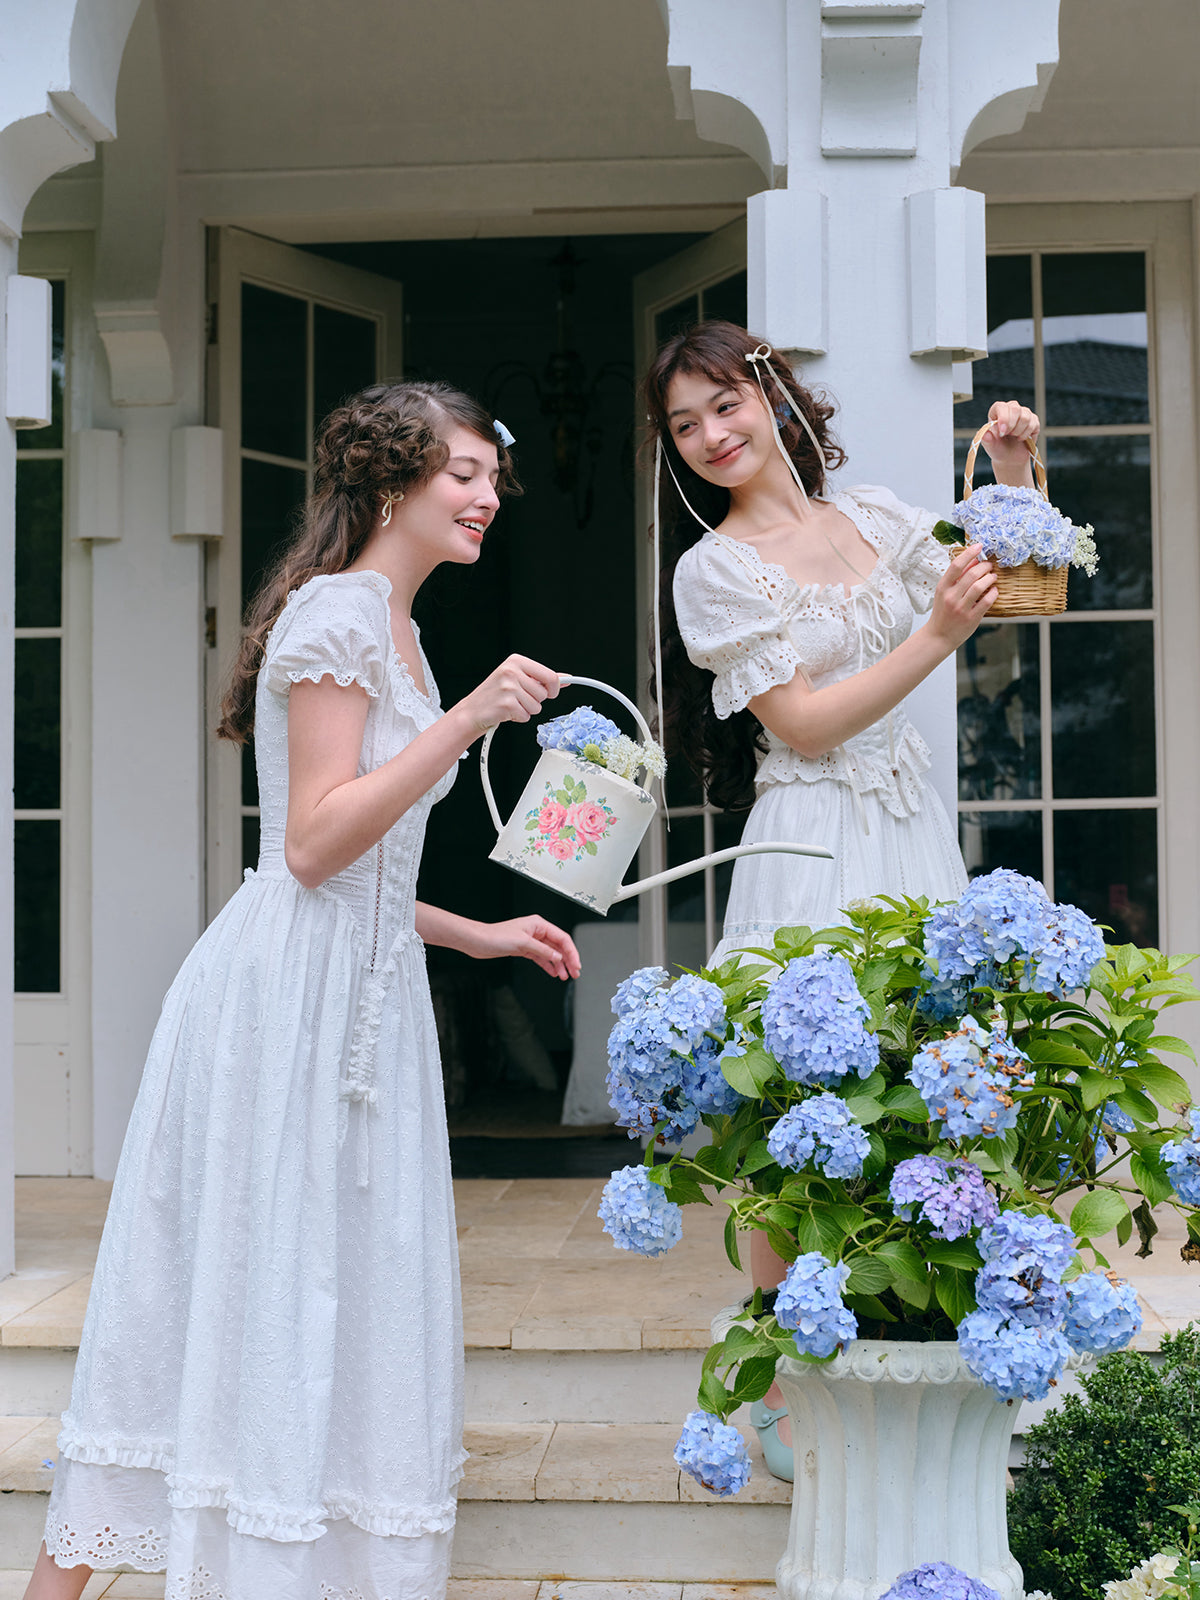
[(682, 923), (1060, 744), (295, 334)]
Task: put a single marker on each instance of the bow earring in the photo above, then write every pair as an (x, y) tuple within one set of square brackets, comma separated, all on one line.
[(389, 502)]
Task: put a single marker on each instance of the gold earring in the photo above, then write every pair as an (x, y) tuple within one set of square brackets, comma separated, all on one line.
[(389, 502)]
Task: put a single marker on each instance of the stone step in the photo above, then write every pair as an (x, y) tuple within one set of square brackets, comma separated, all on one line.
[(579, 1501)]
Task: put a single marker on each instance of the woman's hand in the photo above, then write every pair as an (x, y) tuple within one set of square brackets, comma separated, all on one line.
[(513, 693), (963, 597), (1013, 429), (532, 937)]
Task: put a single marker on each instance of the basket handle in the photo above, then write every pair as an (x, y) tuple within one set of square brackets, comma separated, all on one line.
[(1039, 469), (564, 679)]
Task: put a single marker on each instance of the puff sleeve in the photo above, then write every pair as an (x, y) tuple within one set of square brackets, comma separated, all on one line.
[(913, 553), (733, 623), (334, 627)]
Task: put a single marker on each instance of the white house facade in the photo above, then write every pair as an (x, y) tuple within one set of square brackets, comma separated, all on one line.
[(216, 219)]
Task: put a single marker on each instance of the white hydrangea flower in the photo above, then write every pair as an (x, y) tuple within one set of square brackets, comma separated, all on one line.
[(1085, 554), (1152, 1580), (626, 757)]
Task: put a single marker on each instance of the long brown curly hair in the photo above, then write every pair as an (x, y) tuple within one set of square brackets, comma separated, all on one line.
[(386, 440), (723, 755)]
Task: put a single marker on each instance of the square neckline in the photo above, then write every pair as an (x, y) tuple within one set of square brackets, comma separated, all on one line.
[(398, 660), (801, 589)]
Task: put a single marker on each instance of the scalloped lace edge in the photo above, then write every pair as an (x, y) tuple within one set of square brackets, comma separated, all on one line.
[(256, 1520), (342, 679), (900, 795), (734, 688)]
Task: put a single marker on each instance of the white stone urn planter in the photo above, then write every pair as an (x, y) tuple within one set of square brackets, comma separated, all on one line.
[(901, 1458)]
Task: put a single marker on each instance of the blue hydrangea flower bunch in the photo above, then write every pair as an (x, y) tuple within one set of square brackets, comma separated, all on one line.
[(938, 1580), (714, 1453), (820, 1133), (967, 1078), (664, 1054), (638, 1214), (951, 1196), (1182, 1159), (809, 1303), (577, 729), (1016, 524), (938, 1116), (814, 1020)]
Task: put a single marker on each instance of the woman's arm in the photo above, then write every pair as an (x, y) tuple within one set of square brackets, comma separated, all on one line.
[(532, 937), (335, 816), (813, 721)]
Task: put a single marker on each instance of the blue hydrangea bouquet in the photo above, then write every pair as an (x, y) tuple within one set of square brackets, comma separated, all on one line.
[(1032, 543), (591, 737), (936, 1115)]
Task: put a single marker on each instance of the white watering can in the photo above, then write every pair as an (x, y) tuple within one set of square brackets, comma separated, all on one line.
[(577, 826)]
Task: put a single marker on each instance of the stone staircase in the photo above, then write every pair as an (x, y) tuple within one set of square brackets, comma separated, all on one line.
[(581, 1363)]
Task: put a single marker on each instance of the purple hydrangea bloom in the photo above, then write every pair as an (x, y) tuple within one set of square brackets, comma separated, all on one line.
[(1016, 1361), (638, 987), (820, 1133), (1029, 1244), (1182, 1157), (714, 1453), (809, 1302), (576, 729), (815, 1021), (952, 1196), (1071, 948), (1015, 523), (1102, 1313), (638, 1215), (938, 1580), (967, 1080)]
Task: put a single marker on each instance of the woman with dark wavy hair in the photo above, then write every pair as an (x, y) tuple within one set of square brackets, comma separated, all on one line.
[(268, 1396), (786, 621)]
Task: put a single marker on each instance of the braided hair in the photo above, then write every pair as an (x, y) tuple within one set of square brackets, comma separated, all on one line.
[(387, 440)]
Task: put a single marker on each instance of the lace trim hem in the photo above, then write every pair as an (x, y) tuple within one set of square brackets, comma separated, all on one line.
[(342, 679), (900, 792), (104, 1548), (259, 1521), (734, 688)]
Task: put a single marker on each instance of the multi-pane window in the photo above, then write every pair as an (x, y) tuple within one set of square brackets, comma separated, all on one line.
[(38, 751), (1057, 717), (299, 359)]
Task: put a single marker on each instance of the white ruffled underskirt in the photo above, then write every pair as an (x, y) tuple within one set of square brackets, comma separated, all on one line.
[(914, 855), (107, 1516)]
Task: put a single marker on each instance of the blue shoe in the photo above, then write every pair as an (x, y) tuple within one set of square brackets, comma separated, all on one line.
[(777, 1455)]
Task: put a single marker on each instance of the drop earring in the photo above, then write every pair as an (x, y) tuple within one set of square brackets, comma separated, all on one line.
[(389, 502)]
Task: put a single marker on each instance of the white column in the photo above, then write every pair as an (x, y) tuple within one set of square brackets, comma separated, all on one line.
[(8, 478), (862, 259)]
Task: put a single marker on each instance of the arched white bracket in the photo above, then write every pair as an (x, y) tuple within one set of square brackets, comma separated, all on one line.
[(992, 91), (58, 82)]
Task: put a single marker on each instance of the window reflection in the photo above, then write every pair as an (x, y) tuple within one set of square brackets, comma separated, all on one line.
[(1106, 482), (1094, 332), (999, 717), (1106, 862), (991, 839), (1102, 682)]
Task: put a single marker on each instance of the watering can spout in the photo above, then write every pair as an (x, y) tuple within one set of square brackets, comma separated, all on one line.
[(768, 847)]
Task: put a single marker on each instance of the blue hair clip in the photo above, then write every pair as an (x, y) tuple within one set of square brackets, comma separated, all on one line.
[(502, 433)]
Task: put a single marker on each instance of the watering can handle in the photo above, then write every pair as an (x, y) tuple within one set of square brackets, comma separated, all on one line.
[(564, 679)]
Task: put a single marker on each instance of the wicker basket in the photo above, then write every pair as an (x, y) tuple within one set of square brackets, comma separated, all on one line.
[(1029, 590)]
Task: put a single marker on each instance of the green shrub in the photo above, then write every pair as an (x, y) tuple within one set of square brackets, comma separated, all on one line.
[(1101, 1474)]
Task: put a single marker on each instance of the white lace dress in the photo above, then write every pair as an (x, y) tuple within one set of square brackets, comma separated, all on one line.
[(753, 627), (268, 1396)]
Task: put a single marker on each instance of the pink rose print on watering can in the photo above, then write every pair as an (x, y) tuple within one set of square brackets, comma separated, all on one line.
[(577, 826)]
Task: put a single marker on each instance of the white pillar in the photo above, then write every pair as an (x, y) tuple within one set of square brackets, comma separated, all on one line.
[(862, 259), (8, 480)]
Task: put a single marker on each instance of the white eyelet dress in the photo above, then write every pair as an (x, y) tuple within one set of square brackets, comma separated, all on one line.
[(753, 627), (268, 1396)]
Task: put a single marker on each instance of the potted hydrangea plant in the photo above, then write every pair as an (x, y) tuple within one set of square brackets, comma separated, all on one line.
[(935, 1115)]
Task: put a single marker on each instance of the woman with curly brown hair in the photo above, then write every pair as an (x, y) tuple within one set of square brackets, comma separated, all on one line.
[(788, 648), (268, 1396)]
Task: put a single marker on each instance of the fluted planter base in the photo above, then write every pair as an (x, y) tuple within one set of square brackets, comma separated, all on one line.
[(901, 1458)]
